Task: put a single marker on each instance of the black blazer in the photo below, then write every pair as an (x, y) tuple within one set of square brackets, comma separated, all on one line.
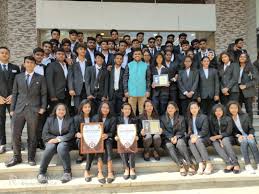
[(109, 126), (88, 58), (208, 87), (188, 84), (248, 78), (163, 90), (110, 60), (172, 71), (56, 81), (78, 119), (102, 82), (224, 129), (169, 130), (246, 125), (202, 125), (34, 96), (111, 83), (51, 129), (7, 79), (229, 77)]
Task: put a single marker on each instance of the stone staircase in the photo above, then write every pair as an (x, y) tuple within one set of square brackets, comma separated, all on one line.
[(153, 176)]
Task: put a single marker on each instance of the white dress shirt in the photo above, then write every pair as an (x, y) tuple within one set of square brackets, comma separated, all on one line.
[(125, 61), (87, 120), (39, 69), (64, 67), (226, 65), (91, 55), (187, 72), (194, 127), (239, 125), (117, 72), (240, 74), (206, 72), (60, 121), (82, 67), (31, 74)]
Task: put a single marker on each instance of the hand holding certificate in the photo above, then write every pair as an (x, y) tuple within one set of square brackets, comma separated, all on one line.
[(160, 80), (151, 127), (127, 138)]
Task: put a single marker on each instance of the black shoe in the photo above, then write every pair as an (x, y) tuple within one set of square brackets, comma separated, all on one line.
[(146, 156), (13, 162), (80, 159), (133, 177), (32, 162), (66, 177), (2, 149), (126, 177), (102, 180), (236, 171), (156, 155), (110, 180), (88, 179), (42, 179), (41, 145)]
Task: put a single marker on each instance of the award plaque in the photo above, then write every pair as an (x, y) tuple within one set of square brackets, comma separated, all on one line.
[(127, 138), (161, 80), (151, 126), (91, 141)]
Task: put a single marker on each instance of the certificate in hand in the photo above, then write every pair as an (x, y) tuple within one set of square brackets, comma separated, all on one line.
[(127, 138), (161, 80), (151, 126)]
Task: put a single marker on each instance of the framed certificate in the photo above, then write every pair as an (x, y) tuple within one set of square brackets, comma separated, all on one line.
[(151, 126), (127, 138), (91, 141), (161, 80)]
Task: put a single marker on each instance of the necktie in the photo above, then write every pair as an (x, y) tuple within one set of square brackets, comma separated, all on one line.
[(5, 67), (5, 70), (28, 79)]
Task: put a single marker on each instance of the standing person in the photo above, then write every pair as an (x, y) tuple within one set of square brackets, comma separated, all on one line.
[(98, 38), (70, 57), (29, 99), (116, 92), (127, 38), (238, 49), (136, 82), (152, 46), (244, 134), (135, 45), (8, 71), (159, 41), (104, 115), (140, 38), (160, 94), (115, 36), (174, 129), (91, 45), (147, 58), (97, 82), (128, 159), (228, 76), (247, 83), (181, 38), (199, 134), (48, 57), (58, 133), (55, 34), (150, 113), (109, 58), (73, 35), (169, 38), (77, 77), (221, 137), (38, 54), (123, 50), (185, 47), (208, 86), (188, 81)]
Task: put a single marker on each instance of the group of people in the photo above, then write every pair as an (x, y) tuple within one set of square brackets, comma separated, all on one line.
[(64, 84)]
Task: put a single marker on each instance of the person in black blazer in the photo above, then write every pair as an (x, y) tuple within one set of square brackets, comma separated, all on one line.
[(104, 115), (84, 116), (208, 86), (244, 134), (228, 77), (29, 99), (174, 129), (188, 81), (198, 135), (116, 92), (151, 47), (90, 51), (160, 94), (109, 58), (58, 133), (221, 137), (97, 82), (8, 71), (173, 75), (127, 117), (77, 77), (56, 76), (247, 83)]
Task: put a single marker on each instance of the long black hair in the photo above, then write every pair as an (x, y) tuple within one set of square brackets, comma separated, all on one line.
[(176, 114), (53, 114), (80, 108), (99, 113), (132, 115), (154, 114)]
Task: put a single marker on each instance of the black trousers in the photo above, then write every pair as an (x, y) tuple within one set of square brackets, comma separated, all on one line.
[(78, 98), (232, 96), (3, 108), (206, 105), (173, 96), (116, 102), (160, 101), (199, 150), (128, 160), (19, 119), (148, 140), (248, 104), (62, 149), (184, 105)]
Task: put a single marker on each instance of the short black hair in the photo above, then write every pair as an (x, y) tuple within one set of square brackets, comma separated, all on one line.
[(151, 38), (80, 33), (65, 41), (182, 34), (123, 41), (203, 40), (136, 50), (170, 35), (168, 42), (110, 40), (96, 54), (185, 42), (140, 33), (98, 35), (91, 38), (126, 36), (113, 30), (158, 36), (195, 40), (54, 42), (6, 48), (134, 40), (31, 58), (81, 45), (55, 30), (38, 50), (60, 50), (47, 42), (104, 40), (238, 40), (118, 54), (73, 32)]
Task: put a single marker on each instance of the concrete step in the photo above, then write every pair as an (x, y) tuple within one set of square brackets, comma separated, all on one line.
[(155, 182)]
